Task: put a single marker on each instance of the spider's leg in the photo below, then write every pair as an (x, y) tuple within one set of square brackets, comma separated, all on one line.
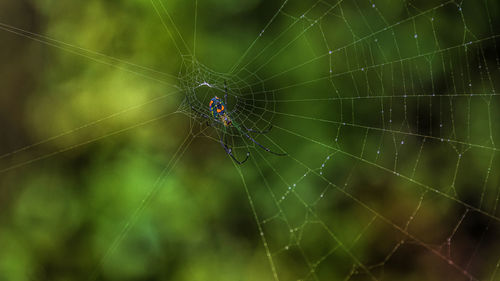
[(261, 146), (200, 113), (230, 152), (235, 105), (225, 89), (197, 111), (261, 132)]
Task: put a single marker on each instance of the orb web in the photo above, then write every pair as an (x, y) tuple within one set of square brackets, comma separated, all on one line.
[(402, 110), (248, 105)]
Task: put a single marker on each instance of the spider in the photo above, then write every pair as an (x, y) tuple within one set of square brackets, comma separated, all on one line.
[(218, 112)]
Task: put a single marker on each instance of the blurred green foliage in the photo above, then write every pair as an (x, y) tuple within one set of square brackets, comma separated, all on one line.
[(140, 188)]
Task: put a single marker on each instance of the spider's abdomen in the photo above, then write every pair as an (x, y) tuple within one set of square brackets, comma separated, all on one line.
[(217, 107)]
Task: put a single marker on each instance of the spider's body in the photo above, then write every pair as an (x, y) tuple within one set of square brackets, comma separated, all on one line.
[(219, 115), (218, 110)]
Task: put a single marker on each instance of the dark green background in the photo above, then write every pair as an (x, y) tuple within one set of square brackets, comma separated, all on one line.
[(130, 184)]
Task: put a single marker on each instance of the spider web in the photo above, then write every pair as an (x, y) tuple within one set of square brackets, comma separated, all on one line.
[(387, 114), (392, 110)]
